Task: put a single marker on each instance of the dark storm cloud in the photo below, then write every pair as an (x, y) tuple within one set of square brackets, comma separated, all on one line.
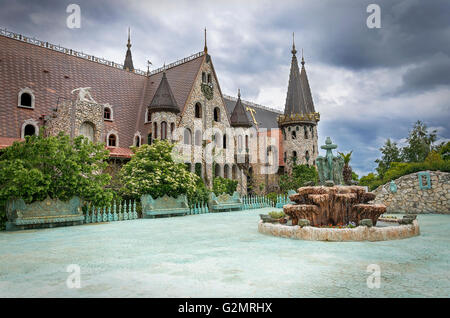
[(368, 84)]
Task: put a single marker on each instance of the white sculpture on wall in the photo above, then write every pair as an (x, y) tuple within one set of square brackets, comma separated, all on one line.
[(84, 94)]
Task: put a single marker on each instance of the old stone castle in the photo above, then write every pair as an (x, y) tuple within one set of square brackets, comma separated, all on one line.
[(41, 84)]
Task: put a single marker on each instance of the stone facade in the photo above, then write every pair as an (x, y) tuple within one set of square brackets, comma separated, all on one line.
[(304, 144), (410, 198), (70, 115)]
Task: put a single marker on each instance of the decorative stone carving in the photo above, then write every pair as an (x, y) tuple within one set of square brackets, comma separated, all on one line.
[(84, 94), (333, 205), (47, 213)]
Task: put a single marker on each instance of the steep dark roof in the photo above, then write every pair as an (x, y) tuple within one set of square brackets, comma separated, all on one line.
[(128, 64), (238, 117), (298, 99), (163, 98), (264, 116)]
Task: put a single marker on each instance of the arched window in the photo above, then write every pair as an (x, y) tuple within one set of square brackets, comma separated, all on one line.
[(246, 143), (240, 145), (234, 172), (112, 140), (163, 130), (226, 173), (172, 129), (149, 116), (25, 98), (224, 143), (307, 156), (155, 130), (203, 77), (187, 136), (209, 79), (306, 132), (217, 114), (198, 110), (198, 137), (107, 113), (294, 134), (217, 140), (29, 130), (137, 141), (217, 170), (294, 156), (284, 157), (149, 138), (198, 169), (87, 130)]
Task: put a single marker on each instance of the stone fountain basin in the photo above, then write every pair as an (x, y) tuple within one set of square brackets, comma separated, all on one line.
[(383, 232)]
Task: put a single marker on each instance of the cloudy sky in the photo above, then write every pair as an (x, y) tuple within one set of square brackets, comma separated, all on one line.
[(368, 84)]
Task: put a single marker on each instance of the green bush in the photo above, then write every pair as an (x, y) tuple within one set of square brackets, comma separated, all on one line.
[(301, 174), (399, 169), (272, 196), (201, 193), (152, 170), (276, 214), (55, 167), (222, 185)]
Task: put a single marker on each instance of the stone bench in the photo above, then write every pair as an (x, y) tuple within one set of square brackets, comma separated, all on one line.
[(224, 202), (164, 206), (43, 214)]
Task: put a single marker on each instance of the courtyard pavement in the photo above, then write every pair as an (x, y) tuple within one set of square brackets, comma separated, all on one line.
[(218, 255)]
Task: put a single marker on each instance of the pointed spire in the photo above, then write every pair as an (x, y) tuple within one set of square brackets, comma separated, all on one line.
[(205, 49), (294, 51), (298, 99), (303, 60), (128, 64), (164, 99), (239, 116)]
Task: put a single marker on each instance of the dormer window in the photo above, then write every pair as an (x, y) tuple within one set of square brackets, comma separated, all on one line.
[(107, 113), (25, 98), (112, 140)]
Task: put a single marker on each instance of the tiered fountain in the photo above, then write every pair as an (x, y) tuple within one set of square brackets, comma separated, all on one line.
[(332, 212)]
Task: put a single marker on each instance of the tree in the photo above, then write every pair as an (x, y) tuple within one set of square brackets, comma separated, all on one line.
[(420, 143), (355, 176), (55, 167), (390, 153), (152, 170), (223, 185), (301, 174), (444, 150), (347, 171)]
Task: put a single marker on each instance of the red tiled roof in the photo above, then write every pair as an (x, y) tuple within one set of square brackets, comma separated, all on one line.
[(117, 152), (23, 64), (6, 142)]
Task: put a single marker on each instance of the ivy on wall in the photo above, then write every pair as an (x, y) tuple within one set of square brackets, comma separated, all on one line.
[(208, 91)]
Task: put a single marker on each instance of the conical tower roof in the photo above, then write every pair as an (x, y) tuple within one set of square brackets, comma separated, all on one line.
[(298, 99), (238, 116), (128, 63), (163, 100)]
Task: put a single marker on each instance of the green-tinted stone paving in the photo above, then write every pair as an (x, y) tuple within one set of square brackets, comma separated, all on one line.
[(218, 255)]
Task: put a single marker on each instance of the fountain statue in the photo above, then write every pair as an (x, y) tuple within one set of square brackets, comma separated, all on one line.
[(330, 167)]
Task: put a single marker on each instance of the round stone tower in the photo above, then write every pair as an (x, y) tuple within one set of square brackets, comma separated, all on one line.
[(299, 122)]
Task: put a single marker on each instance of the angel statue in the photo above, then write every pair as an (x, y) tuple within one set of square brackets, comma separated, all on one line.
[(84, 94)]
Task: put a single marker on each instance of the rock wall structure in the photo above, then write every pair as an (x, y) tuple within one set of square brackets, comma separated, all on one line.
[(410, 195)]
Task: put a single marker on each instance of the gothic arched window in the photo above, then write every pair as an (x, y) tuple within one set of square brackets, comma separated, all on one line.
[(112, 140), (187, 136), (217, 114), (87, 130), (198, 110), (163, 130)]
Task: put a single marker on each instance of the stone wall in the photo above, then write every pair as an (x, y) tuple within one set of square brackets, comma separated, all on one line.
[(300, 144), (410, 198)]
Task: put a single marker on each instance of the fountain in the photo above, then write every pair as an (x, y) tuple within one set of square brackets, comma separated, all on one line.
[(331, 204)]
